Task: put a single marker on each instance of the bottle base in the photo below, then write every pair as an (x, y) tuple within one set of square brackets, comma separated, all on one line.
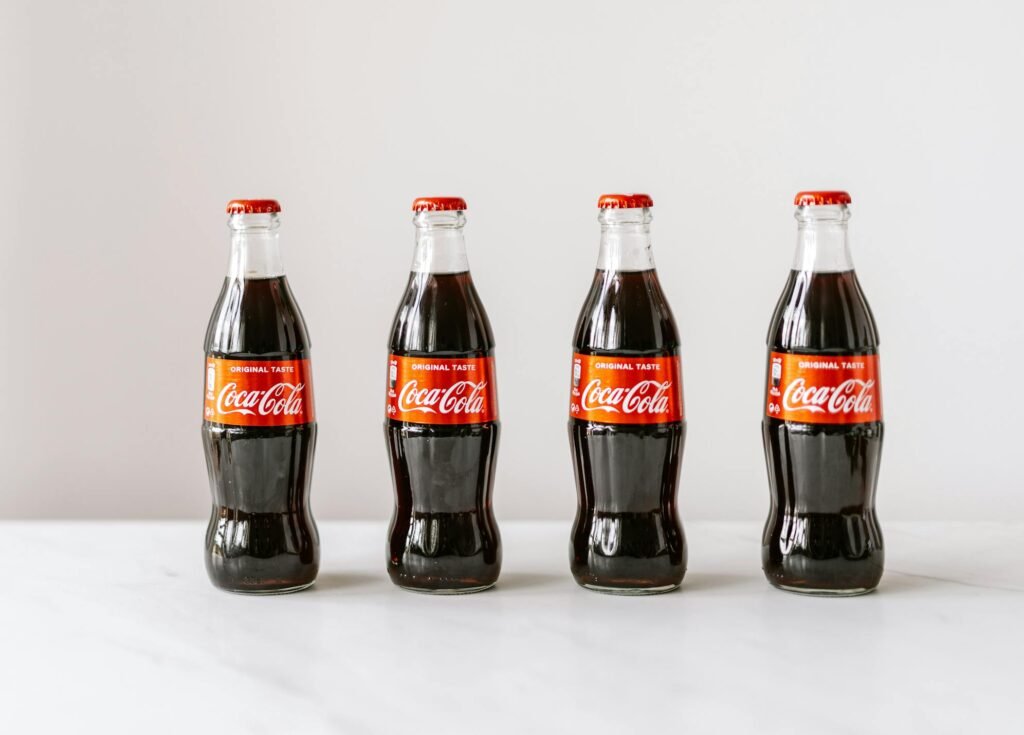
[(446, 591), (815, 592), (630, 591), (254, 591)]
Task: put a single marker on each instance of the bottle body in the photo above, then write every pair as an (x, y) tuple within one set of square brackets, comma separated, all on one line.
[(626, 429), (822, 428), (259, 436), (441, 424)]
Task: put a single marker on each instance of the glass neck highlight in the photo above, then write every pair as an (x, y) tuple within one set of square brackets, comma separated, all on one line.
[(625, 240), (822, 242), (255, 246), (440, 243)]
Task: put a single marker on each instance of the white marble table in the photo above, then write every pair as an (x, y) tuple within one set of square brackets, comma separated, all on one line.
[(113, 627)]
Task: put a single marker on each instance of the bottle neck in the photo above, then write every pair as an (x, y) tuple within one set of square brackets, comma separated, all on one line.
[(625, 240), (255, 247), (822, 241), (440, 243)]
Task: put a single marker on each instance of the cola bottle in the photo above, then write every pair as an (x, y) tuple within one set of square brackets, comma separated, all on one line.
[(823, 415), (626, 424), (259, 428), (441, 418)]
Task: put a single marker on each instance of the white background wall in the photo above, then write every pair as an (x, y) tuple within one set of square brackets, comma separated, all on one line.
[(125, 127)]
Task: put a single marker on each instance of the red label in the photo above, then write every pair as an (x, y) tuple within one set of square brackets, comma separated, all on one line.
[(427, 390), (626, 390), (258, 392), (824, 389)]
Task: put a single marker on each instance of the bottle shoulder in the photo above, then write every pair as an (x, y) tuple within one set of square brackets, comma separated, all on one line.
[(441, 314), (823, 312), (626, 313), (257, 318)]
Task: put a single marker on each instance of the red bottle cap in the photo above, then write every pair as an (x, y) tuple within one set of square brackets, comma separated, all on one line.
[(438, 204), (821, 198), (624, 201), (253, 206)]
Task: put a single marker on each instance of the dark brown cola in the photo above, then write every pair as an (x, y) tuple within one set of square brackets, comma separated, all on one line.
[(441, 427), (259, 446), (627, 454), (823, 449)]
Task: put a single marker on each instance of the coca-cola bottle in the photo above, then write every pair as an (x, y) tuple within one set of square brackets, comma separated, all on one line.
[(441, 418), (259, 430), (823, 415), (626, 421)]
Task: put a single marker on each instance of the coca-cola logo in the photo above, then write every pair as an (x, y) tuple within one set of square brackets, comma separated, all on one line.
[(850, 396), (463, 397), (281, 399), (643, 397)]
